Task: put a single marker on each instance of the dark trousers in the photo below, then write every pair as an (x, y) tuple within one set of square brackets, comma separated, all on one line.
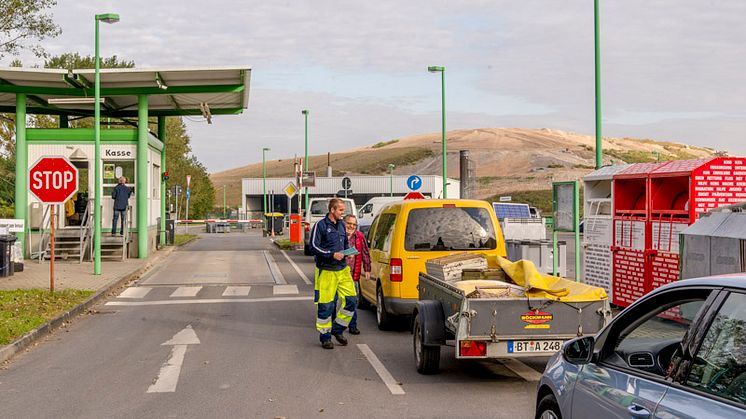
[(117, 214)]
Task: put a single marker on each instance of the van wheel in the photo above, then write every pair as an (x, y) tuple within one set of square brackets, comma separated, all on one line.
[(383, 318), (426, 357)]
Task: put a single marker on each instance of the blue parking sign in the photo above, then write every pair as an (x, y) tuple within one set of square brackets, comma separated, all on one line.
[(414, 182)]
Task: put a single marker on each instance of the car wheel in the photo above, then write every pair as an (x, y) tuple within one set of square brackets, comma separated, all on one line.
[(426, 357), (548, 408), (383, 318)]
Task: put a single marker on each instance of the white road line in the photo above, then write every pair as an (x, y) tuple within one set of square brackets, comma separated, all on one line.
[(297, 269), (393, 385), (135, 292), (284, 289), (522, 370), (207, 301), (186, 292), (274, 269), (232, 291), (168, 377)]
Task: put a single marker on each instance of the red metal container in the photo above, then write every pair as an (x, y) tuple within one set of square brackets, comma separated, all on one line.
[(296, 229)]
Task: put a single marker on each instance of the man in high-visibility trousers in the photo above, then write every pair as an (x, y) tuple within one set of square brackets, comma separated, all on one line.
[(333, 281)]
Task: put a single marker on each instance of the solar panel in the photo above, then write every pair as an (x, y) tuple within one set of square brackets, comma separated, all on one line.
[(503, 210)]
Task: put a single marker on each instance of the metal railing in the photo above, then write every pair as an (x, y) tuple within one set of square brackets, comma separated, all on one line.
[(85, 231), (45, 236)]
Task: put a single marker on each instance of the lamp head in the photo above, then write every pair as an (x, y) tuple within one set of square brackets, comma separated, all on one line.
[(108, 17), (305, 112), (391, 166), (265, 149), (436, 69)]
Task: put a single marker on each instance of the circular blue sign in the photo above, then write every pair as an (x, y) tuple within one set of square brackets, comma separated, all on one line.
[(414, 182)]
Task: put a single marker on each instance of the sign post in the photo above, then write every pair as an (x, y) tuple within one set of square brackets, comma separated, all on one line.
[(53, 180), (189, 180), (566, 204)]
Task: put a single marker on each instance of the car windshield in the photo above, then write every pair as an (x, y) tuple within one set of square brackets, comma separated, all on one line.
[(321, 208), (449, 228)]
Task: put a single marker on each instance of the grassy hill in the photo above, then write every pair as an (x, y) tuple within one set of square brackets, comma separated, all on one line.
[(508, 160)]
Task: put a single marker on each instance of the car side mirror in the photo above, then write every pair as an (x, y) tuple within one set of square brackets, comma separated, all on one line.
[(579, 351)]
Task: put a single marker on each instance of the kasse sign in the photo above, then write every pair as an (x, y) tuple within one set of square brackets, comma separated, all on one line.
[(53, 180)]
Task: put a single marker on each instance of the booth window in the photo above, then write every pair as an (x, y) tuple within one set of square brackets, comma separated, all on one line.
[(115, 168)]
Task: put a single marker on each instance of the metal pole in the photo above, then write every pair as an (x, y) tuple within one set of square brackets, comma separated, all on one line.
[(162, 137), (97, 162), (264, 187), (576, 227), (443, 139), (142, 174), (596, 40), (225, 212), (305, 160), (21, 182), (51, 257)]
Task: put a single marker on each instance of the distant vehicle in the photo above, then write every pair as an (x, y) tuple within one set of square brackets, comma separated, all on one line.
[(370, 209), (318, 209), (678, 352), (405, 234)]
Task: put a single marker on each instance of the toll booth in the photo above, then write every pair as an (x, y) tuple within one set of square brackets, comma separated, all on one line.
[(132, 101), (597, 226), (653, 203)]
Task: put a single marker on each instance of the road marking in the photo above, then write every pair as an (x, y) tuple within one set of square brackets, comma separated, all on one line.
[(274, 269), (393, 385), (297, 269), (284, 289), (522, 370), (168, 376), (186, 292), (236, 291), (134, 292), (207, 301)]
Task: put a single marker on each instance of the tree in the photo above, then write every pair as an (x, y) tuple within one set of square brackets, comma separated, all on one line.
[(24, 21)]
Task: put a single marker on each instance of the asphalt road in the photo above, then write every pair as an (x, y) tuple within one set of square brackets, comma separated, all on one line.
[(225, 328)]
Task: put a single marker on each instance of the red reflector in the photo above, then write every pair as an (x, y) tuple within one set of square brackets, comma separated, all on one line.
[(449, 205), (472, 348), (395, 274)]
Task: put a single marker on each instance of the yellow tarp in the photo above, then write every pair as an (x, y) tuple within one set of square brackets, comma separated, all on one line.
[(524, 273)]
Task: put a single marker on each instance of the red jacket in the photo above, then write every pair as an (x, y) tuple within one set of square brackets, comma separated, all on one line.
[(362, 259)]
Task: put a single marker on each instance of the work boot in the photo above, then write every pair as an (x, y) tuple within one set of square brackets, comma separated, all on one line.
[(354, 331), (340, 339), (327, 345)]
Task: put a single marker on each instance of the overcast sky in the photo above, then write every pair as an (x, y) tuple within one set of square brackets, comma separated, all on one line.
[(671, 69)]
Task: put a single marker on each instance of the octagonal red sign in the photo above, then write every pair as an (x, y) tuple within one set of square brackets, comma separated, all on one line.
[(53, 180)]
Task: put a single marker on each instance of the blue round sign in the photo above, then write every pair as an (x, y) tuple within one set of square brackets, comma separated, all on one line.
[(414, 182)]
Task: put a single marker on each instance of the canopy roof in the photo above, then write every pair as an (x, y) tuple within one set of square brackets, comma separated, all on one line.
[(170, 92)]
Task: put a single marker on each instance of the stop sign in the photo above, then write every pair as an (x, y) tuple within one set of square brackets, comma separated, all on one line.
[(53, 180)]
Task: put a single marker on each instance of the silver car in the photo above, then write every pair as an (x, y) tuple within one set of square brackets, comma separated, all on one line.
[(678, 352)]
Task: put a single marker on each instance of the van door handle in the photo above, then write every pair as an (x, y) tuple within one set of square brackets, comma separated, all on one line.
[(638, 411)]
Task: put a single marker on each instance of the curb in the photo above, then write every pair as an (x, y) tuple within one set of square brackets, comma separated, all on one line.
[(8, 351)]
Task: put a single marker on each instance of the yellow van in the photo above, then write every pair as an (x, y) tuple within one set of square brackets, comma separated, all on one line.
[(405, 234)]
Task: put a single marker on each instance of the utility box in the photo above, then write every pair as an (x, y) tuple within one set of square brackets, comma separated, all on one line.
[(714, 245), (296, 229)]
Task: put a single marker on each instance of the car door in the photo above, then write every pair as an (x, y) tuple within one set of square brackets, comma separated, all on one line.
[(379, 259), (628, 379), (714, 384)]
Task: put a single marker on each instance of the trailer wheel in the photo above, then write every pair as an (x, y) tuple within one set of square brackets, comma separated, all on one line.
[(426, 357), (383, 318)]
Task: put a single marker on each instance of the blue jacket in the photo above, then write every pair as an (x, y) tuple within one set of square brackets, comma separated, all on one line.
[(121, 195), (328, 238)]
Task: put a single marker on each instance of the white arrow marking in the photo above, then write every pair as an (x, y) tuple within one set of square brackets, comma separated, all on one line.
[(168, 377)]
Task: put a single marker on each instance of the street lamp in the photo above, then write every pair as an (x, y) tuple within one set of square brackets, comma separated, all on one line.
[(391, 179), (107, 18), (596, 42), (442, 71), (264, 181), (305, 165)]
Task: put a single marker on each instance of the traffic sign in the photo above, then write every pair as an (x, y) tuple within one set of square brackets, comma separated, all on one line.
[(346, 183), (189, 180), (414, 182), (53, 180), (290, 190), (188, 194), (415, 195)]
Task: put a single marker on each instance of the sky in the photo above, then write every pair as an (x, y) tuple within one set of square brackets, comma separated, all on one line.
[(670, 69)]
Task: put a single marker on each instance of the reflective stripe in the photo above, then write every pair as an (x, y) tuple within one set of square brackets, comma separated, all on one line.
[(327, 320), (342, 321), (324, 330), (314, 239), (346, 313)]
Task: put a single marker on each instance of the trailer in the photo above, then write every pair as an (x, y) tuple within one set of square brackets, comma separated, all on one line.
[(491, 319)]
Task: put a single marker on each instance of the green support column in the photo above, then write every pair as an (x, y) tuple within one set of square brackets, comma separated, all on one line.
[(597, 49), (141, 193), (162, 137), (21, 192)]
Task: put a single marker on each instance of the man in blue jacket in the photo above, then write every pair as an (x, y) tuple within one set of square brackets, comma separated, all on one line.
[(332, 277), (121, 196)]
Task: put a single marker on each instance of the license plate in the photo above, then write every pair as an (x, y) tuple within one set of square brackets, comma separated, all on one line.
[(528, 346)]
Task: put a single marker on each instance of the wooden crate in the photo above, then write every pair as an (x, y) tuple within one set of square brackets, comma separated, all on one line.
[(449, 268)]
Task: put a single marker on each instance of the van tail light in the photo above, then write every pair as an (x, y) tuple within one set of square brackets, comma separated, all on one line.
[(472, 348), (395, 275)]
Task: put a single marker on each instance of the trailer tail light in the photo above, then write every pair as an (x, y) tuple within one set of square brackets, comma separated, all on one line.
[(395, 274), (472, 348)]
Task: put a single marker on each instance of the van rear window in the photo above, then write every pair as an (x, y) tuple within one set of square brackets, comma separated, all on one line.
[(432, 229)]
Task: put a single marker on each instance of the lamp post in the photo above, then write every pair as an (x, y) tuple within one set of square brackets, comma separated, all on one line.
[(596, 42), (264, 185), (225, 212), (107, 18), (442, 71), (391, 179), (305, 165)]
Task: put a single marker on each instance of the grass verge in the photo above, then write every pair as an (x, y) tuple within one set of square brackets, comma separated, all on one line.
[(24, 310), (284, 244), (182, 239)]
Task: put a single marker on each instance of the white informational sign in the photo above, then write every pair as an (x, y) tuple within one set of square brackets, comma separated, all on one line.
[(563, 212), (13, 225), (118, 172), (629, 234), (506, 198), (597, 230)]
